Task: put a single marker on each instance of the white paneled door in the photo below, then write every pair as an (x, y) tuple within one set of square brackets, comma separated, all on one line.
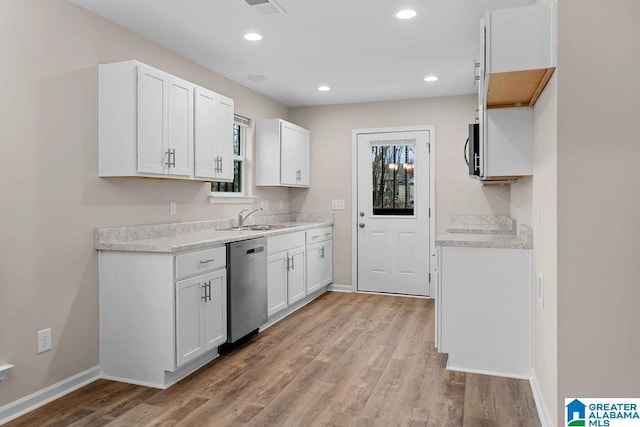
[(393, 212)]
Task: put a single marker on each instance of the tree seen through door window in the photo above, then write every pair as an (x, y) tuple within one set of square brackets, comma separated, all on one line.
[(393, 179)]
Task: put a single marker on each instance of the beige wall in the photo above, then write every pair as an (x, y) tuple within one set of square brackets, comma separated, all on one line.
[(598, 199), (331, 145), (52, 198)]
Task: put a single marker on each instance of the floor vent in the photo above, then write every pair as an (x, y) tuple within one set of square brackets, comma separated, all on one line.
[(266, 7)]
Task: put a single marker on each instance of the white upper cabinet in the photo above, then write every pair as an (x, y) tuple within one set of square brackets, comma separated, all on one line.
[(518, 54), (147, 126), (213, 135), (282, 154)]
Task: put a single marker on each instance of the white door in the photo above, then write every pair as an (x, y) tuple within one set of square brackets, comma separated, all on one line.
[(393, 212), (215, 309), (180, 127), (302, 171), (190, 294), (276, 282), (224, 138), (289, 154), (205, 133), (296, 288), (152, 120)]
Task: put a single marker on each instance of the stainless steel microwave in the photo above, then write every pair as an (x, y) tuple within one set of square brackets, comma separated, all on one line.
[(472, 154)]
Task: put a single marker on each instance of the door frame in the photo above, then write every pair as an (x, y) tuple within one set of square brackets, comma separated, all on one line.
[(354, 196)]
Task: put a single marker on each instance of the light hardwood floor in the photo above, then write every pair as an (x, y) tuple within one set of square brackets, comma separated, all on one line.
[(343, 360)]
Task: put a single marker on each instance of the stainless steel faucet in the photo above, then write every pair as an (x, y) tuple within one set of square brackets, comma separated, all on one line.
[(242, 219)]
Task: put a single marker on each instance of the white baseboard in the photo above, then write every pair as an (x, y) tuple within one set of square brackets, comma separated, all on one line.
[(55, 391), (484, 372), (340, 288), (541, 405)]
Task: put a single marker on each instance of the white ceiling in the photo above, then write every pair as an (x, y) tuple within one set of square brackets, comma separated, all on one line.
[(357, 47)]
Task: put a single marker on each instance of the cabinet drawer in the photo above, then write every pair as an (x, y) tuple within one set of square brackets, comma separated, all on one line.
[(319, 235), (285, 242), (200, 261)]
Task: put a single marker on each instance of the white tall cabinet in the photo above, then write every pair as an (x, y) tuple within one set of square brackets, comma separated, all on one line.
[(282, 154)]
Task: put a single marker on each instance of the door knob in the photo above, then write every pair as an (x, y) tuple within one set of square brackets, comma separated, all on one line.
[(361, 225)]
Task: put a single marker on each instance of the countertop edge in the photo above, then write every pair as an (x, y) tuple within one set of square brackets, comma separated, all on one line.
[(148, 245)]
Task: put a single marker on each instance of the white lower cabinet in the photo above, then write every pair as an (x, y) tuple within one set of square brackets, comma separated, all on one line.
[(286, 270), (276, 282), (201, 315), (319, 258), (296, 289), (161, 315), (483, 309)]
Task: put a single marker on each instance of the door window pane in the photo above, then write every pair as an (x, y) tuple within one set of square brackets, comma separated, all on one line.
[(393, 179)]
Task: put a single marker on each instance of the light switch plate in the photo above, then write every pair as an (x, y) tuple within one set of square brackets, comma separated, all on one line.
[(337, 204)]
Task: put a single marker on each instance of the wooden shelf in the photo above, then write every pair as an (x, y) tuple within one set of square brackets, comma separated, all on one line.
[(517, 88)]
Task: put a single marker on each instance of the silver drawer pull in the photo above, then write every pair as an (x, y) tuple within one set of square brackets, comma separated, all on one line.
[(206, 261)]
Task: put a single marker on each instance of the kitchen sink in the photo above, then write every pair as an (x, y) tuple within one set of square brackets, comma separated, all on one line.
[(257, 227)]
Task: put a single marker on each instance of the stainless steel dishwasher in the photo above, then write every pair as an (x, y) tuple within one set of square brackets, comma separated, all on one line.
[(247, 288)]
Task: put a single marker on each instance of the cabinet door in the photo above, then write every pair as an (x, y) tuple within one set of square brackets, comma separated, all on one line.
[(190, 295), (152, 120), (296, 289), (289, 164), (314, 267), (224, 138), (205, 133), (215, 309), (180, 127), (326, 256), (302, 157), (276, 282)]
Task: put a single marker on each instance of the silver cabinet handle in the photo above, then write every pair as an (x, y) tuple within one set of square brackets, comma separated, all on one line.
[(209, 288), (207, 261), (286, 266), (204, 297), (298, 175), (220, 165), (361, 225), (293, 265), (322, 252), (171, 157)]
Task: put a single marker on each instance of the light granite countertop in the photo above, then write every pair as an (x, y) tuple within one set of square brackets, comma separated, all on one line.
[(176, 237), (483, 232)]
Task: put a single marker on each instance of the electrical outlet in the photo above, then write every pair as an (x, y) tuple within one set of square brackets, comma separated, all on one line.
[(172, 208), (44, 340), (541, 290)]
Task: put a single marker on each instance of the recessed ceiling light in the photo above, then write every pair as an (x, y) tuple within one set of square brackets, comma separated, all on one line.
[(324, 88), (253, 37), (406, 14), (430, 78), (256, 77)]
